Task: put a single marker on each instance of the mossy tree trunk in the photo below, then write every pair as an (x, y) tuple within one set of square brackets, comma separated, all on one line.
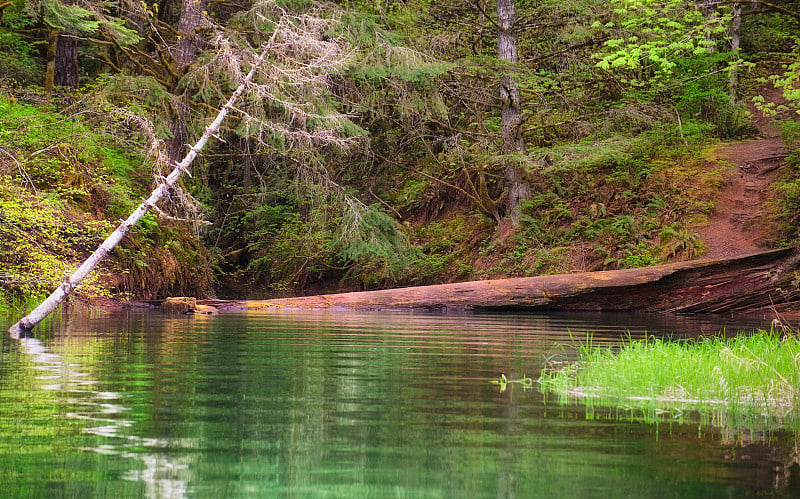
[(511, 112)]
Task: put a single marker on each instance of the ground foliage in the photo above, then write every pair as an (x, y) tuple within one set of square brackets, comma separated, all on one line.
[(748, 381), (65, 181), (387, 170)]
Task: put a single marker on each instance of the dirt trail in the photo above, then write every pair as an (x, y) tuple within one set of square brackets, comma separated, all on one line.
[(737, 226)]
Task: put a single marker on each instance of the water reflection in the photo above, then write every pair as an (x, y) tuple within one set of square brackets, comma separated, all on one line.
[(75, 388), (360, 404)]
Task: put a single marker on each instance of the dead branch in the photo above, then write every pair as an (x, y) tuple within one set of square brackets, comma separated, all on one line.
[(72, 282)]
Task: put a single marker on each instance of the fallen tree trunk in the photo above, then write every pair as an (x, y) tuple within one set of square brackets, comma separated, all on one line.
[(700, 286)]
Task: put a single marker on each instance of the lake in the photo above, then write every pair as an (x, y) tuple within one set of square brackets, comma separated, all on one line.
[(349, 404)]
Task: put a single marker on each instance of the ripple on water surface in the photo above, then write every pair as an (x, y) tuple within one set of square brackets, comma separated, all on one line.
[(345, 405)]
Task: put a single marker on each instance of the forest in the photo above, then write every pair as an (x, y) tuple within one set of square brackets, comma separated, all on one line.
[(382, 144)]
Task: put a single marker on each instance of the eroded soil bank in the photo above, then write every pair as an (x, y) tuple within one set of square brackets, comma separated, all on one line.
[(738, 224)]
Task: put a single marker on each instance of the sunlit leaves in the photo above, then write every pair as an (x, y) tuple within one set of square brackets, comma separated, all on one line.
[(656, 36)]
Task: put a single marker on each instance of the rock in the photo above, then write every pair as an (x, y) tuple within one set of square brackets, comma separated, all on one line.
[(206, 309), (179, 305)]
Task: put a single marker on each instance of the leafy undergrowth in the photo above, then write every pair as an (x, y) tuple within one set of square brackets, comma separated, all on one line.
[(622, 203), (64, 182), (741, 382), (39, 242)]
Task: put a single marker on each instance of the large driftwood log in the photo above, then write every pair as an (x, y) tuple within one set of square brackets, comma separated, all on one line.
[(761, 280)]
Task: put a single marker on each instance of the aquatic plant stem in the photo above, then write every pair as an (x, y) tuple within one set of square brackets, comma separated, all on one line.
[(72, 282)]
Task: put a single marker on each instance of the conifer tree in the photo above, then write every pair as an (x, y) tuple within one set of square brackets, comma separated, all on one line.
[(513, 142), (290, 74)]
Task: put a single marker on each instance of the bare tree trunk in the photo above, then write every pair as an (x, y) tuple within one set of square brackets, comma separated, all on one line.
[(69, 285), (709, 9), (185, 53), (66, 62), (736, 34), (511, 113), (747, 283), (62, 59)]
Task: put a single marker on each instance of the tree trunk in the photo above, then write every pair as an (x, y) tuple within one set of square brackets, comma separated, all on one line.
[(736, 33), (511, 112), (185, 53), (62, 59), (190, 41), (477, 47), (66, 61), (54, 300), (757, 282), (50, 68), (709, 9)]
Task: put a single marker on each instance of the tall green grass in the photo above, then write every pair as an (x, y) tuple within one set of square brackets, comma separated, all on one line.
[(742, 381), (16, 302)]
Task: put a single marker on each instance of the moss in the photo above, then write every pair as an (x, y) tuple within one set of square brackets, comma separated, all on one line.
[(63, 184)]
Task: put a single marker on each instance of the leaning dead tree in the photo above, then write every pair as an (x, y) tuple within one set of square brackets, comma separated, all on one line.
[(68, 286), (289, 72)]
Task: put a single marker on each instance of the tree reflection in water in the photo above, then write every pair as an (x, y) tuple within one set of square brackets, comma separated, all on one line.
[(163, 475)]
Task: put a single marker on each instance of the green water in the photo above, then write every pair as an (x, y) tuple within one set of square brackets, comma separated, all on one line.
[(345, 405)]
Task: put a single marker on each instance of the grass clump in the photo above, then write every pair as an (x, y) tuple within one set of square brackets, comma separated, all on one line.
[(735, 381)]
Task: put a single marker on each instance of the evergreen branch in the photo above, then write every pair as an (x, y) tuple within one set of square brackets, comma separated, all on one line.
[(483, 12), (566, 122), (591, 41), (479, 196), (130, 54), (92, 40), (169, 67), (207, 106), (384, 203), (523, 23), (22, 171), (451, 129), (105, 59), (65, 119), (414, 170)]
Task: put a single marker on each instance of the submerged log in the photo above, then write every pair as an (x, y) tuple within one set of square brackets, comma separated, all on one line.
[(760, 280)]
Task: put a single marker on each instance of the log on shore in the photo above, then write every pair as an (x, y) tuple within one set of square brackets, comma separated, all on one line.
[(756, 281)]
